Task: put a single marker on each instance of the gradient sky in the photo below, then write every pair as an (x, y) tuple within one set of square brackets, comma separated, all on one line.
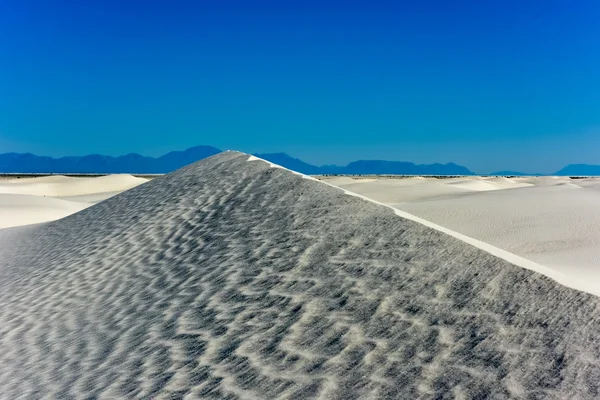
[(487, 84)]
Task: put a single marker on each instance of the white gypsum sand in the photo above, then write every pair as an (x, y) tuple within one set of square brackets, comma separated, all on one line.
[(552, 221), (59, 186), (33, 200), (230, 278), (20, 209)]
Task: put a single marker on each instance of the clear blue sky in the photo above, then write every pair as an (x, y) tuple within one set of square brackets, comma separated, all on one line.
[(487, 84)]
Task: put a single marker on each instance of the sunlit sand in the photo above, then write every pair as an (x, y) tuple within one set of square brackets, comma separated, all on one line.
[(554, 221), (231, 278), (32, 200)]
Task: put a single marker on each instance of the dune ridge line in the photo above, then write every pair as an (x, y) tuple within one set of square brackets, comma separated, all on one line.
[(512, 258)]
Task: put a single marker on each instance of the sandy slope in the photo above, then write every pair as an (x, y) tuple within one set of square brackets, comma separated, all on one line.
[(58, 186), (92, 198), (20, 209), (554, 221), (34, 200), (232, 279)]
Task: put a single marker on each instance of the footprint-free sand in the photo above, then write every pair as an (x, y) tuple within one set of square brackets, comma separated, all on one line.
[(234, 279), (553, 221), (33, 200)]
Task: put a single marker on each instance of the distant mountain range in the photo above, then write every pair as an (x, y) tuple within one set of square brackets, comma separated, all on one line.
[(95, 163), (569, 170), (580, 169), (366, 167), (137, 164)]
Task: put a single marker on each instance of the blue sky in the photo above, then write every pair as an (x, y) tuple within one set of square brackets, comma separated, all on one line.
[(486, 84)]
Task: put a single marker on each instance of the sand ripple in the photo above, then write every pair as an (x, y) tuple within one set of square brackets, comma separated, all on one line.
[(231, 279)]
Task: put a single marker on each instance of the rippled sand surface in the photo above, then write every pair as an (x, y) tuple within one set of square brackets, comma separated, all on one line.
[(233, 279), (552, 221)]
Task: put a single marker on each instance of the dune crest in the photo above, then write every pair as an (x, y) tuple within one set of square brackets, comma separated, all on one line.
[(230, 278)]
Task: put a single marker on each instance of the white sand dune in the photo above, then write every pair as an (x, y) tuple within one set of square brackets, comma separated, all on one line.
[(38, 179), (344, 180), (508, 183), (92, 197), (232, 279), (33, 200), (20, 209), (482, 184), (58, 186), (554, 221), (401, 190)]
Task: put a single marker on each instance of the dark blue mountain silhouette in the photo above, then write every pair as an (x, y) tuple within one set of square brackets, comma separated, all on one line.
[(291, 163), (137, 164), (366, 167), (580, 170), (96, 163), (379, 167)]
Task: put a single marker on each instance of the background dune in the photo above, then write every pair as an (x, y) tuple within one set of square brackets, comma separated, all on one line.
[(34, 200), (59, 186), (20, 209)]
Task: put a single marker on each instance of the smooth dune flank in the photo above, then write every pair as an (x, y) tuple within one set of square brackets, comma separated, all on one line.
[(233, 279), (34, 200), (19, 209)]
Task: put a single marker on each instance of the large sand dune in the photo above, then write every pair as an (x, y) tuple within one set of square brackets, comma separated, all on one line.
[(233, 279)]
